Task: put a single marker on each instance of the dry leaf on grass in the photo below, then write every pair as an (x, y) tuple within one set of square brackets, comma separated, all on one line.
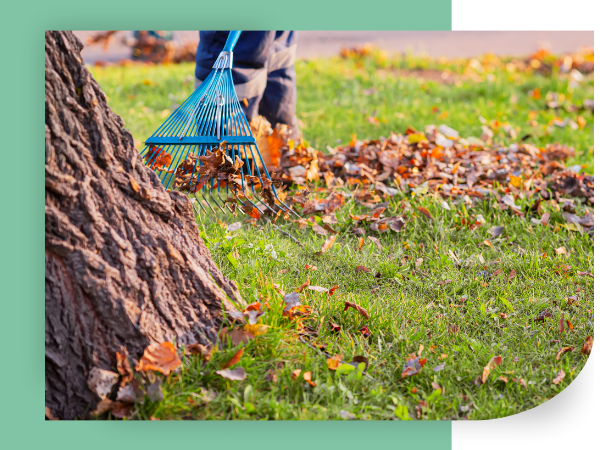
[(317, 289), (588, 274), (559, 377), (561, 324), (258, 329), (512, 274), (159, 357), (563, 350), (425, 212), (102, 407), (307, 378), (237, 336), (334, 362), (234, 359), (310, 267), (362, 269), (361, 242), (362, 311), (121, 409), (332, 290), (545, 219), (587, 345), (327, 244), (303, 285), (334, 327), (494, 362), (561, 250), (237, 374)]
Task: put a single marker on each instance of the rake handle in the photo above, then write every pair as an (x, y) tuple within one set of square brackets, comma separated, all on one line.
[(231, 40)]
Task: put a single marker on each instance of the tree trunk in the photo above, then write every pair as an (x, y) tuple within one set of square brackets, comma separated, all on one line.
[(125, 265)]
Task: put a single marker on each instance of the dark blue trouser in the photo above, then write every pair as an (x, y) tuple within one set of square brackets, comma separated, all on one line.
[(263, 71)]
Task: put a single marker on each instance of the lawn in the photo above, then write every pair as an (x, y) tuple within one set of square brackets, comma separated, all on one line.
[(436, 289)]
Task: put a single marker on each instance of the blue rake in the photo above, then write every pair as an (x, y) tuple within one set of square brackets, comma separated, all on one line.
[(206, 148)]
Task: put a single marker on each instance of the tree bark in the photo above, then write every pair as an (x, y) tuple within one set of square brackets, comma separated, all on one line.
[(125, 265)]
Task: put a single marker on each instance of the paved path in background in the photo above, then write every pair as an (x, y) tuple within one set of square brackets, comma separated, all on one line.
[(436, 43)]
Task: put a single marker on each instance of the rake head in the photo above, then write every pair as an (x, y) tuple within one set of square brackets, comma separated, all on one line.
[(206, 149)]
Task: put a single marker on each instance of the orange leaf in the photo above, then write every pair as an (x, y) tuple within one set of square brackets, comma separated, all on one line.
[(488, 243), (160, 357), (362, 269), (570, 325), (253, 307), (334, 362), (305, 284), (235, 359), (495, 361), (361, 242), (295, 373), (563, 350), (425, 212), (587, 345), (307, 378), (124, 368), (327, 244), (332, 290)]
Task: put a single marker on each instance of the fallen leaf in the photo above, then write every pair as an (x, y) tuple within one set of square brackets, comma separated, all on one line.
[(291, 300), (362, 269), (237, 315), (523, 383), (496, 231), (327, 244), (334, 327), (425, 212), (102, 407), (503, 378), (131, 393), (365, 331), (121, 409), (502, 315), (317, 289), (543, 316), (421, 348), (124, 368), (439, 367), (361, 242), (234, 226), (411, 367), (237, 374), (488, 243), (303, 285), (361, 359), (257, 329), (296, 373), (587, 345), (334, 362), (319, 229), (332, 290), (559, 377), (561, 251), (310, 267), (102, 381), (307, 378), (494, 362), (561, 323), (361, 310), (588, 274), (512, 274), (234, 359), (569, 324), (159, 357), (154, 391), (49, 414), (497, 272), (436, 386), (563, 350), (545, 219)]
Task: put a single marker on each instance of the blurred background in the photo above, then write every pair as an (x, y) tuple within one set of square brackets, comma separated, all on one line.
[(313, 44)]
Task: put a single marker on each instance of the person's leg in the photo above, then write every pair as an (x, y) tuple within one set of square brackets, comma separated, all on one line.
[(278, 103), (250, 59)]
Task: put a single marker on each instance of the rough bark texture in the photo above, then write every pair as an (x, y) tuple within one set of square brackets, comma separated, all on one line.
[(125, 265)]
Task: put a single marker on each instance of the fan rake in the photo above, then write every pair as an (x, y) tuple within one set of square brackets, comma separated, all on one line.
[(206, 149)]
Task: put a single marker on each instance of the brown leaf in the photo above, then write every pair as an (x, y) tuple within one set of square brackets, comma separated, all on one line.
[(332, 290), (436, 386), (497, 272), (503, 378), (237, 336), (159, 357), (102, 407), (234, 359), (488, 243), (502, 315), (361, 359), (563, 350), (237, 374), (124, 368), (303, 285), (523, 383), (512, 274), (310, 267), (327, 245), (425, 212), (363, 312), (559, 377), (561, 251), (334, 327), (362, 269), (561, 324), (377, 212), (545, 219), (588, 274), (421, 348), (49, 414), (569, 324), (198, 349), (319, 229), (102, 381), (587, 345), (296, 373), (361, 242), (121, 409)]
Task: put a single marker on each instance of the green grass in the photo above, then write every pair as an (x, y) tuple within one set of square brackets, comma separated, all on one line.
[(406, 305)]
